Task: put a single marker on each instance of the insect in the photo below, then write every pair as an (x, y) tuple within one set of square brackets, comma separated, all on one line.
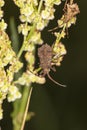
[(70, 10), (45, 55)]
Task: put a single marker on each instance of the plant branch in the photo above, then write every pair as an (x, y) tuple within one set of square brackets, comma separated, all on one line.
[(26, 109), (60, 36), (40, 6), (21, 111)]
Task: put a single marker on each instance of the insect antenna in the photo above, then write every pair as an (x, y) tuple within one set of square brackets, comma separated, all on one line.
[(55, 81)]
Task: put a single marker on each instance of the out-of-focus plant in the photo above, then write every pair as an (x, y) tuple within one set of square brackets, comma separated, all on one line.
[(34, 16)]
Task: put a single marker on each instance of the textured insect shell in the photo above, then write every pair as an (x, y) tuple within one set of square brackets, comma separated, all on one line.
[(45, 55)]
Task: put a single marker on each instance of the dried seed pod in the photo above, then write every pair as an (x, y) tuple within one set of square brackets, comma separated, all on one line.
[(45, 55)]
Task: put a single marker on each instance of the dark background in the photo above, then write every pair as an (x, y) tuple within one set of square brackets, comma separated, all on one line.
[(58, 108)]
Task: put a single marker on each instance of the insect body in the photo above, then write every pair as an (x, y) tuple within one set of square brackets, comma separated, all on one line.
[(70, 10), (45, 55)]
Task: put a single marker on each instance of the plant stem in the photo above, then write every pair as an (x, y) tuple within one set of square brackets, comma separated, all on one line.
[(20, 117), (40, 6), (21, 50), (26, 110), (21, 106), (60, 36), (26, 39)]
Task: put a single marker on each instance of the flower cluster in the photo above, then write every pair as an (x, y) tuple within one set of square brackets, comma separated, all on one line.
[(9, 64), (59, 52), (27, 77), (34, 12)]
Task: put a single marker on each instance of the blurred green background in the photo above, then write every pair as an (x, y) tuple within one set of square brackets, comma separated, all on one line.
[(58, 108)]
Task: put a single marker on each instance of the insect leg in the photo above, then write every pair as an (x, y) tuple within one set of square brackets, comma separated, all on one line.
[(55, 81)]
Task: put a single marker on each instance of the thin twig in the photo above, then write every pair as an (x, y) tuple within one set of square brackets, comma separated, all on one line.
[(26, 109)]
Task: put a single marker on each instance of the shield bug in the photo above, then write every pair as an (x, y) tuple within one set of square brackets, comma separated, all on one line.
[(45, 55)]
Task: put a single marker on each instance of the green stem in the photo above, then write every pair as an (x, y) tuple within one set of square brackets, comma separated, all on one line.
[(19, 118), (26, 110), (60, 36), (40, 6), (26, 39), (21, 106), (31, 32), (21, 50)]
